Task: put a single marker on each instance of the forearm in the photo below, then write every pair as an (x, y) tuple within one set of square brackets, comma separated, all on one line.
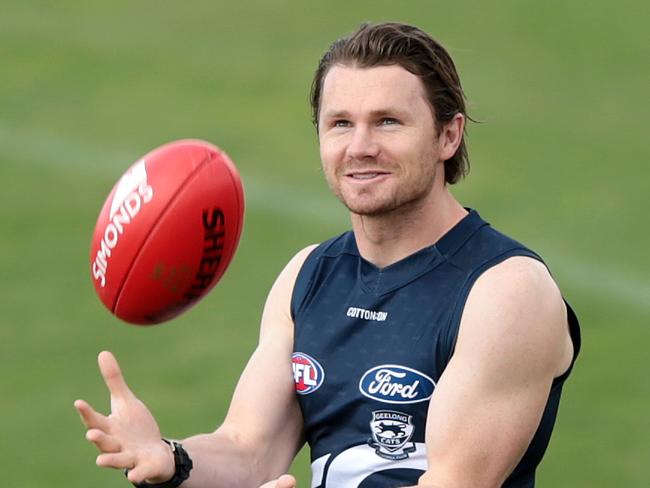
[(225, 459), (442, 479), (219, 461)]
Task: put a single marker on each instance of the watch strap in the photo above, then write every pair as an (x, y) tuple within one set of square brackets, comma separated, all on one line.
[(182, 467)]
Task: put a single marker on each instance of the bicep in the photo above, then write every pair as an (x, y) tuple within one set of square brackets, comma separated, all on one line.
[(490, 398), (479, 431)]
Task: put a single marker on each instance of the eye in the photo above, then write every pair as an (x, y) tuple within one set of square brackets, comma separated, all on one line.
[(341, 123), (389, 121)]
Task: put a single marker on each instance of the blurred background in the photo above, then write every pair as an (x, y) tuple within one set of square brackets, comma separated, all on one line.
[(559, 161)]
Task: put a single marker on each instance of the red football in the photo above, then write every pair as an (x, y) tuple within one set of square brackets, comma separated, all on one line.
[(167, 232)]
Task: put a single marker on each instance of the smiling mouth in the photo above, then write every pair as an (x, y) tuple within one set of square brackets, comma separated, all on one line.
[(366, 176)]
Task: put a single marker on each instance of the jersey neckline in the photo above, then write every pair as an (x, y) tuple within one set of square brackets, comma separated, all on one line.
[(379, 281)]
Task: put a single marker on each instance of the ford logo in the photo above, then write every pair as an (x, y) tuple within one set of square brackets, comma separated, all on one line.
[(392, 383)]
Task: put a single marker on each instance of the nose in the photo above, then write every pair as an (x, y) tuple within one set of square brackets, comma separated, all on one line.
[(362, 144)]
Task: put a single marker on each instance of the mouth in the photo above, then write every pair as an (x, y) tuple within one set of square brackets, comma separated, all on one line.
[(365, 175)]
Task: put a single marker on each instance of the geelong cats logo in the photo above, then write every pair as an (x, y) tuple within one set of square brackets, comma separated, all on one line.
[(391, 433)]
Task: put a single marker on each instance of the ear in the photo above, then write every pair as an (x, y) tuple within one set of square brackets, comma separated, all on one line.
[(451, 136)]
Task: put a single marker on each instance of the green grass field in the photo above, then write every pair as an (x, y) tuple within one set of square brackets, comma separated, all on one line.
[(559, 161)]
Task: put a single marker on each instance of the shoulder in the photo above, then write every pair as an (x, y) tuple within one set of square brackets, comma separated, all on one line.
[(474, 246), (277, 309), (287, 277), (516, 310), (518, 285), (291, 270), (519, 274)]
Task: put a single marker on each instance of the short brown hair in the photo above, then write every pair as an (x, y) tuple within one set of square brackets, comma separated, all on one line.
[(414, 50)]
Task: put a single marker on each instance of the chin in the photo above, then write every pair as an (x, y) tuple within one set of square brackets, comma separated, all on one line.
[(369, 209), (385, 206)]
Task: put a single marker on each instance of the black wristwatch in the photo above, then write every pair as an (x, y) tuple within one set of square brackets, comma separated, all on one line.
[(182, 467)]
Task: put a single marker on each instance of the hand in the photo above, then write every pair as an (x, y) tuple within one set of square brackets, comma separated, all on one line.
[(128, 438), (284, 481)]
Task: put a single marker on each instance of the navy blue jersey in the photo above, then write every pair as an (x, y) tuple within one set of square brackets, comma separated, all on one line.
[(370, 345)]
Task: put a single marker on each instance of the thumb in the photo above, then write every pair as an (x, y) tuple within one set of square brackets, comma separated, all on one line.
[(284, 481), (113, 375)]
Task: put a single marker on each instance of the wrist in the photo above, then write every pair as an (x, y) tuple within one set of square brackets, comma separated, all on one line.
[(181, 465), (170, 464)]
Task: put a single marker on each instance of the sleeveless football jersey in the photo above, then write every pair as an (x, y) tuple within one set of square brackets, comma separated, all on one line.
[(370, 345)]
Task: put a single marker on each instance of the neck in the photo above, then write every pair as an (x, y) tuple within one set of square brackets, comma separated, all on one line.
[(388, 238)]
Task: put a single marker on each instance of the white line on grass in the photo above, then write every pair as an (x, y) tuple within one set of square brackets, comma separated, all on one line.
[(262, 193), (286, 201)]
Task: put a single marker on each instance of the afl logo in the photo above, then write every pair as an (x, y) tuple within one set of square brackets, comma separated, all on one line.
[(392, 383), (308, 375)]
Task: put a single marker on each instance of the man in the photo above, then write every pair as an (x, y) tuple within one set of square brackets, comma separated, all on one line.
[(426, 348)]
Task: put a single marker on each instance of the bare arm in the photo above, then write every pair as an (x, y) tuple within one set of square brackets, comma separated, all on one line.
[(261, 433), (513, 340)]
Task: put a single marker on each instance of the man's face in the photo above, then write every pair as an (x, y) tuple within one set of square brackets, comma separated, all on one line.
[(378, 142)]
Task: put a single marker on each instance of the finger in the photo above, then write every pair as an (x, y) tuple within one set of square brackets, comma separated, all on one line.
[(141, 473), (286, 481), (113, 375), (118, 460), (91, 418), (135, 476), (103, 441)]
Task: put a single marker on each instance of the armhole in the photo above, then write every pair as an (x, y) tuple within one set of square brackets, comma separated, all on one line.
[(574, 332), (454, 322), (304, 281), (453, 325)]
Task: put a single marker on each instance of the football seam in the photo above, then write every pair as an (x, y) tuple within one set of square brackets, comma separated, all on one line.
[(156, 223), (236, 182)]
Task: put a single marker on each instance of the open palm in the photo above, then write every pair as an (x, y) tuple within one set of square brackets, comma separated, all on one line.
[(129, 437)]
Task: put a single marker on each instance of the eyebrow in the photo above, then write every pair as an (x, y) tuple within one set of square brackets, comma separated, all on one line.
[(344, 114)]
